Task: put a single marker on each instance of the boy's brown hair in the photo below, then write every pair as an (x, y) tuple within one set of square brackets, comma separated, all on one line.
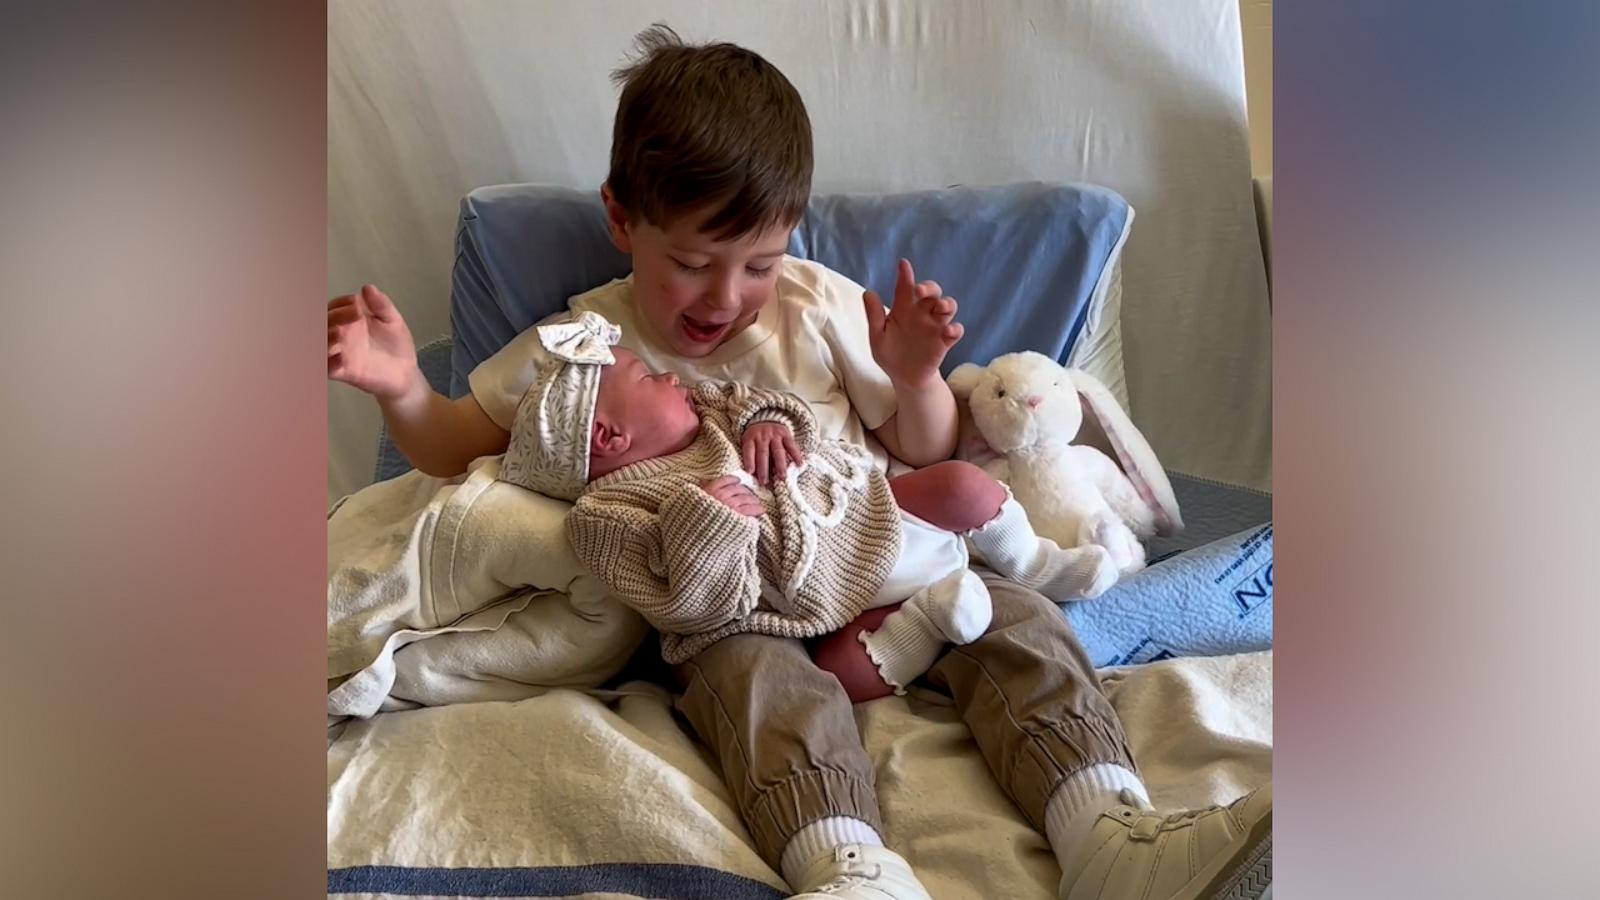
[(709, 125)]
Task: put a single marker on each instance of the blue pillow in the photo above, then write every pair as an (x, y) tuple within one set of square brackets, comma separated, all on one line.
[(1210, 601), (1022, 259)]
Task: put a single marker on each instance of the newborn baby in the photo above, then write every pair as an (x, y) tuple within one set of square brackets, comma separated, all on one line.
[(667, 516)]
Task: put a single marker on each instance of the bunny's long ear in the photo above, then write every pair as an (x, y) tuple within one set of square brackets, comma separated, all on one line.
[(1128, 447)]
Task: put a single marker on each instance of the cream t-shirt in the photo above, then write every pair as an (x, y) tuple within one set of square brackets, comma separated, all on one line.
[(810, 340)]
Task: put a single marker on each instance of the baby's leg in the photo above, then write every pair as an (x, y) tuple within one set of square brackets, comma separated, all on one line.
[(953, 495), (886, 649), (1008, 544), (843, 654), (963, 498)]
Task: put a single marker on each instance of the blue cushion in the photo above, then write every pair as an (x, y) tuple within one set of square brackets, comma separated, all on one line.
[(1210, 601), (1021, 259)]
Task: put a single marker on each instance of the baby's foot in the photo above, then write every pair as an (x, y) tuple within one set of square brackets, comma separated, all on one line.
[(958, 605), (1105, 572)]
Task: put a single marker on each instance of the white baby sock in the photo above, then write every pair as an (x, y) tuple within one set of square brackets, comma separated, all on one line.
[(818, 840), (1070, 813), (1009, 545), (955, 609)]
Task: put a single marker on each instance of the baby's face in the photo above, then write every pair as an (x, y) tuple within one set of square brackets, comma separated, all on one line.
[(654, 410)]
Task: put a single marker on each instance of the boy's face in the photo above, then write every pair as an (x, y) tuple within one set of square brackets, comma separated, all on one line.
[(638, 415), (697, 292)]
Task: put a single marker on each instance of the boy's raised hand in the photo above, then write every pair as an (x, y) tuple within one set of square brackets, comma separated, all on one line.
[(369, 345), (910, 340)]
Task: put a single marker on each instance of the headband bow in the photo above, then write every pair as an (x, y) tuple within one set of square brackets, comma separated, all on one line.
[(586, 339)]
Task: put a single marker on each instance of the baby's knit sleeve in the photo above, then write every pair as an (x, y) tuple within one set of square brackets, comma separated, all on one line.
[(688, 568), (752, 406)]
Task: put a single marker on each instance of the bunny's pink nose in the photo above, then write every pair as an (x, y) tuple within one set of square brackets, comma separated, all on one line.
[(1034, 400)]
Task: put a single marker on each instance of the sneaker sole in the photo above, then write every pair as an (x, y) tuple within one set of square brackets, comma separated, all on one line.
[(1245, 874)]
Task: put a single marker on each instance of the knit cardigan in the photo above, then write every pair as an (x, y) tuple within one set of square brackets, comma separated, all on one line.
[(814, 560)]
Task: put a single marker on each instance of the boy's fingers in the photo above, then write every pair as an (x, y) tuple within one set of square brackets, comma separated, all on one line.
[(905, 285), (344, 315), (348, 301), (953, 333), (876, 314), (929, 290), (379, 303), (794, 451), (762, 459)]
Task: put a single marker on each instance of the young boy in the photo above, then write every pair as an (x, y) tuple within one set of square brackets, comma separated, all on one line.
[(710, 171)]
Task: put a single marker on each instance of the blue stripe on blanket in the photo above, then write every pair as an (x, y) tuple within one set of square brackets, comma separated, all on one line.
[(659, 881)]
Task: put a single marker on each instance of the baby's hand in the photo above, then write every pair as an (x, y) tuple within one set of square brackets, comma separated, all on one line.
[(769, 450), (369, 345), (912, 338), (730, 493)]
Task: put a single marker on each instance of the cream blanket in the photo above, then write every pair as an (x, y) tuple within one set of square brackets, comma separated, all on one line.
[(451, 591), (575, 794)]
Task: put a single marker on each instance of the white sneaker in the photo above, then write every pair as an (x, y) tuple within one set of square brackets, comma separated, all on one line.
[(1209, 854), (858, 872)]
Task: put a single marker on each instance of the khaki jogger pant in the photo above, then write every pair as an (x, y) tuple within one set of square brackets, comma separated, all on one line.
[(785, 734)]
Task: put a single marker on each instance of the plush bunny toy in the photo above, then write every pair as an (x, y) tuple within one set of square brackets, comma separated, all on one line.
[(1023, 412)]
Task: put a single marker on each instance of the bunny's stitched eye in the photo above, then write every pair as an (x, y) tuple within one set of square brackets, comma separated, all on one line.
[(999, 392)]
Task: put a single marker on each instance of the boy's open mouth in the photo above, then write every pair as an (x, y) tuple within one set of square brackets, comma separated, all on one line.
[(703, 332)]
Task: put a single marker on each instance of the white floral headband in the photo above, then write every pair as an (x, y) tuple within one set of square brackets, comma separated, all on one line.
[(549, 449)]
